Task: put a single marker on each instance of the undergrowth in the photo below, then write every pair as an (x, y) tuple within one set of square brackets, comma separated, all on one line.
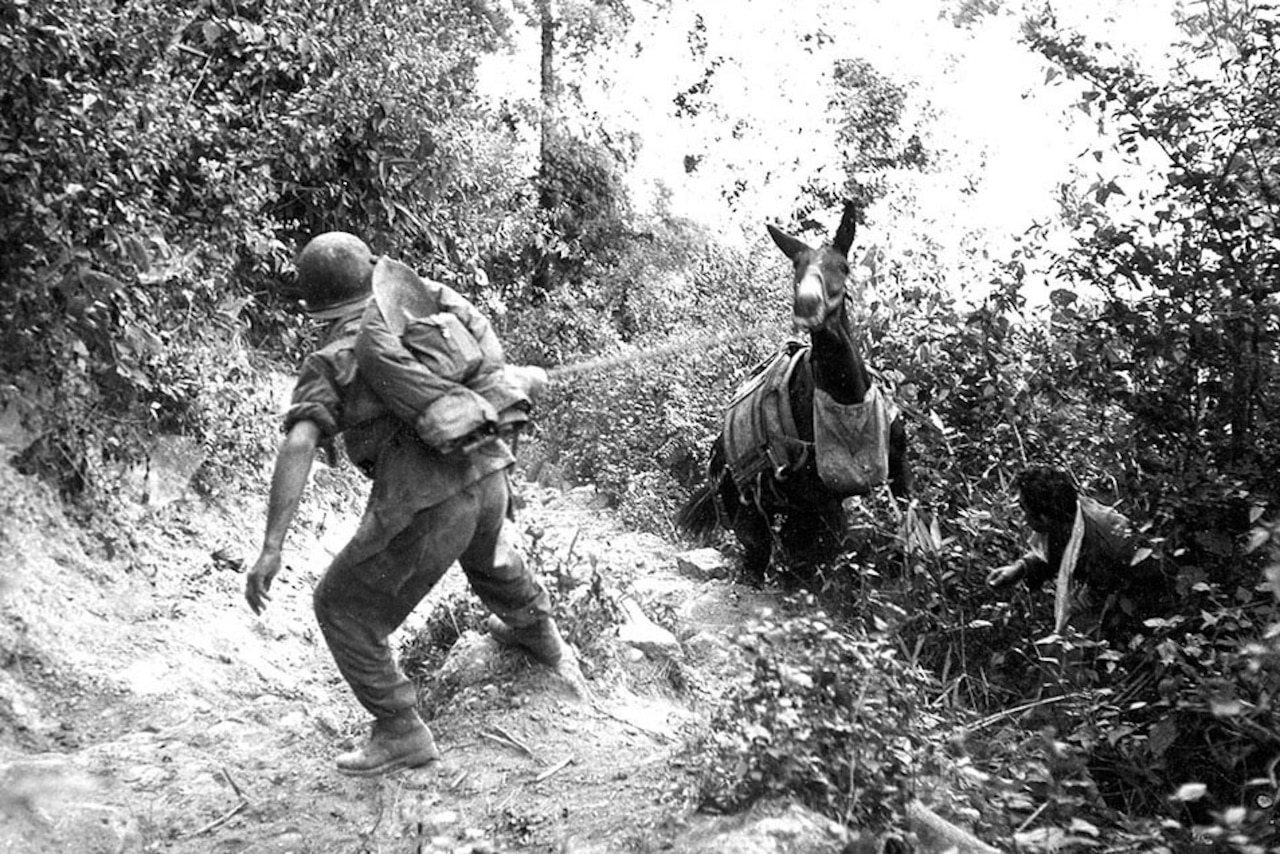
[(834, 719)]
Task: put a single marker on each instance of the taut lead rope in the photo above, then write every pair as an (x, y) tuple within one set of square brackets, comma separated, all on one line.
[(700, 342)]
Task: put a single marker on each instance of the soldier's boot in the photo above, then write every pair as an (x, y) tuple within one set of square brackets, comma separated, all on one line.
[(403, 741), (542, 640)]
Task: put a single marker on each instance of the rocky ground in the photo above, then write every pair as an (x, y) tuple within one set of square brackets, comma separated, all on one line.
[(143, 707)]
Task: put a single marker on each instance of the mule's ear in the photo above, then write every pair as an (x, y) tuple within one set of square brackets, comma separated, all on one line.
[(848, 228), (790, 246)]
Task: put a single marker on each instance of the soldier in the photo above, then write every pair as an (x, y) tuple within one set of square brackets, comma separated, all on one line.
[(439, 491), (1088, 547)]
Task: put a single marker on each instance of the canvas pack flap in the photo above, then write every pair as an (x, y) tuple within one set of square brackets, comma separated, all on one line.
[(402, 295)]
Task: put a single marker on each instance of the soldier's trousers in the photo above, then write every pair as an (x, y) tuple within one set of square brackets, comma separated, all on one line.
[(381, 576)]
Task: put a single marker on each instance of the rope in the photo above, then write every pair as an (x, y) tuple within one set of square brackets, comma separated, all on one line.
[(701, 342)]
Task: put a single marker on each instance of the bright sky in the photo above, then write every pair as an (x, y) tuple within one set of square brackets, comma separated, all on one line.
[(979, 97)]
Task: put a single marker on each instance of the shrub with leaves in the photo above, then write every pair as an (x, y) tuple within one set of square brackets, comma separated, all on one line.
[(160, 163), (835, 720), (1188, 336)]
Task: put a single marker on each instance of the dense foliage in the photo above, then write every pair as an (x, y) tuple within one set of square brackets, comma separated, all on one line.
[(838, 720), (161, 161), (1153, 396), (1188, 332)]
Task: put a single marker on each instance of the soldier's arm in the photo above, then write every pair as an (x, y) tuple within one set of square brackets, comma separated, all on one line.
[(1032, 567), (1039, 563), (288, 481)]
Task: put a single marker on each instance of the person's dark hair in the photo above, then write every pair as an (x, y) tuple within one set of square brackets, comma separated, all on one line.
[(1048, 492)]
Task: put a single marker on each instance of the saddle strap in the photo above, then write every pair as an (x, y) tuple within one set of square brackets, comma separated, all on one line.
[(759, 425)]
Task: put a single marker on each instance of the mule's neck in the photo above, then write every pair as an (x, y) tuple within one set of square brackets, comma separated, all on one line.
[(837, 364)]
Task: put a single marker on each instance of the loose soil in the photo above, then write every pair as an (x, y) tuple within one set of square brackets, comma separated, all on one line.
[(143, 707)]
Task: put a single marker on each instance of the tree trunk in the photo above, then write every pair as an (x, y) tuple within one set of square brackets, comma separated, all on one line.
[(543, 273), (547, 87)]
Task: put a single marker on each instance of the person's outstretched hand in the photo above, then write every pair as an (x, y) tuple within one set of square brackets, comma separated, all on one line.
[(257, 586), (529, 378), (1003, 576)]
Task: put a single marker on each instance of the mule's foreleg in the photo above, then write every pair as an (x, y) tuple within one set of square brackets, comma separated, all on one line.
[(815, 533), (754, 534), (899, 465)]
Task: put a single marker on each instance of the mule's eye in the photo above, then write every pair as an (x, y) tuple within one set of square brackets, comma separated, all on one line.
[(844, 268)]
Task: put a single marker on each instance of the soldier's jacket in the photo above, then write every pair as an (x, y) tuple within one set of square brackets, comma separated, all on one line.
[(1106, 551)]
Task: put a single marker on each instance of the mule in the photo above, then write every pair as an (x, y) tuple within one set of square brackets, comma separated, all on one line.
[(808, 508)]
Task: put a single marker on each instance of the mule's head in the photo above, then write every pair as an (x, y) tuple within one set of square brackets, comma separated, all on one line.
[(821, 274)]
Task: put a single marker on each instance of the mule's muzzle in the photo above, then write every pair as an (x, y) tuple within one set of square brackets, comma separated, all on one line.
[(809, 307)]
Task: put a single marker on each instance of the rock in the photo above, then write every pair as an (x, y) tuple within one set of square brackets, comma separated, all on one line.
[(472, 660), (769, 829), (711, 609), (663, 588), (441, 820), (936, 834), (146, 778), (643, 634), (172, 463), (703, 564), (712, 650), (552, 476), (47, 803), (13, 433), (34, 784), (588, 496)]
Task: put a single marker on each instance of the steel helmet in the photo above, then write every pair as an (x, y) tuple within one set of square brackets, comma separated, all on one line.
[(335, 274)]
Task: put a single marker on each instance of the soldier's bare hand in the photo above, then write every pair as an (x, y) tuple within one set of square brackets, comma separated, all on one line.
[(1003, 576), (532, 379), (257, 586)]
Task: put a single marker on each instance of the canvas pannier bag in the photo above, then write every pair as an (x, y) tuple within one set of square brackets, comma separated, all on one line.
[(852, 441)]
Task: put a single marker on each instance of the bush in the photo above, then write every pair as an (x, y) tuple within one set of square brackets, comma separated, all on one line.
[(833, 719), (158, 163)]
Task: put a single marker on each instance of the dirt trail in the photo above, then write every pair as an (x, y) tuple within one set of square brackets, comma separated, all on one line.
[(144, 708)]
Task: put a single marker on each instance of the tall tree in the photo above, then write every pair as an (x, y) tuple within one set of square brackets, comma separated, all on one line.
[(579, 192), (547, 84)]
